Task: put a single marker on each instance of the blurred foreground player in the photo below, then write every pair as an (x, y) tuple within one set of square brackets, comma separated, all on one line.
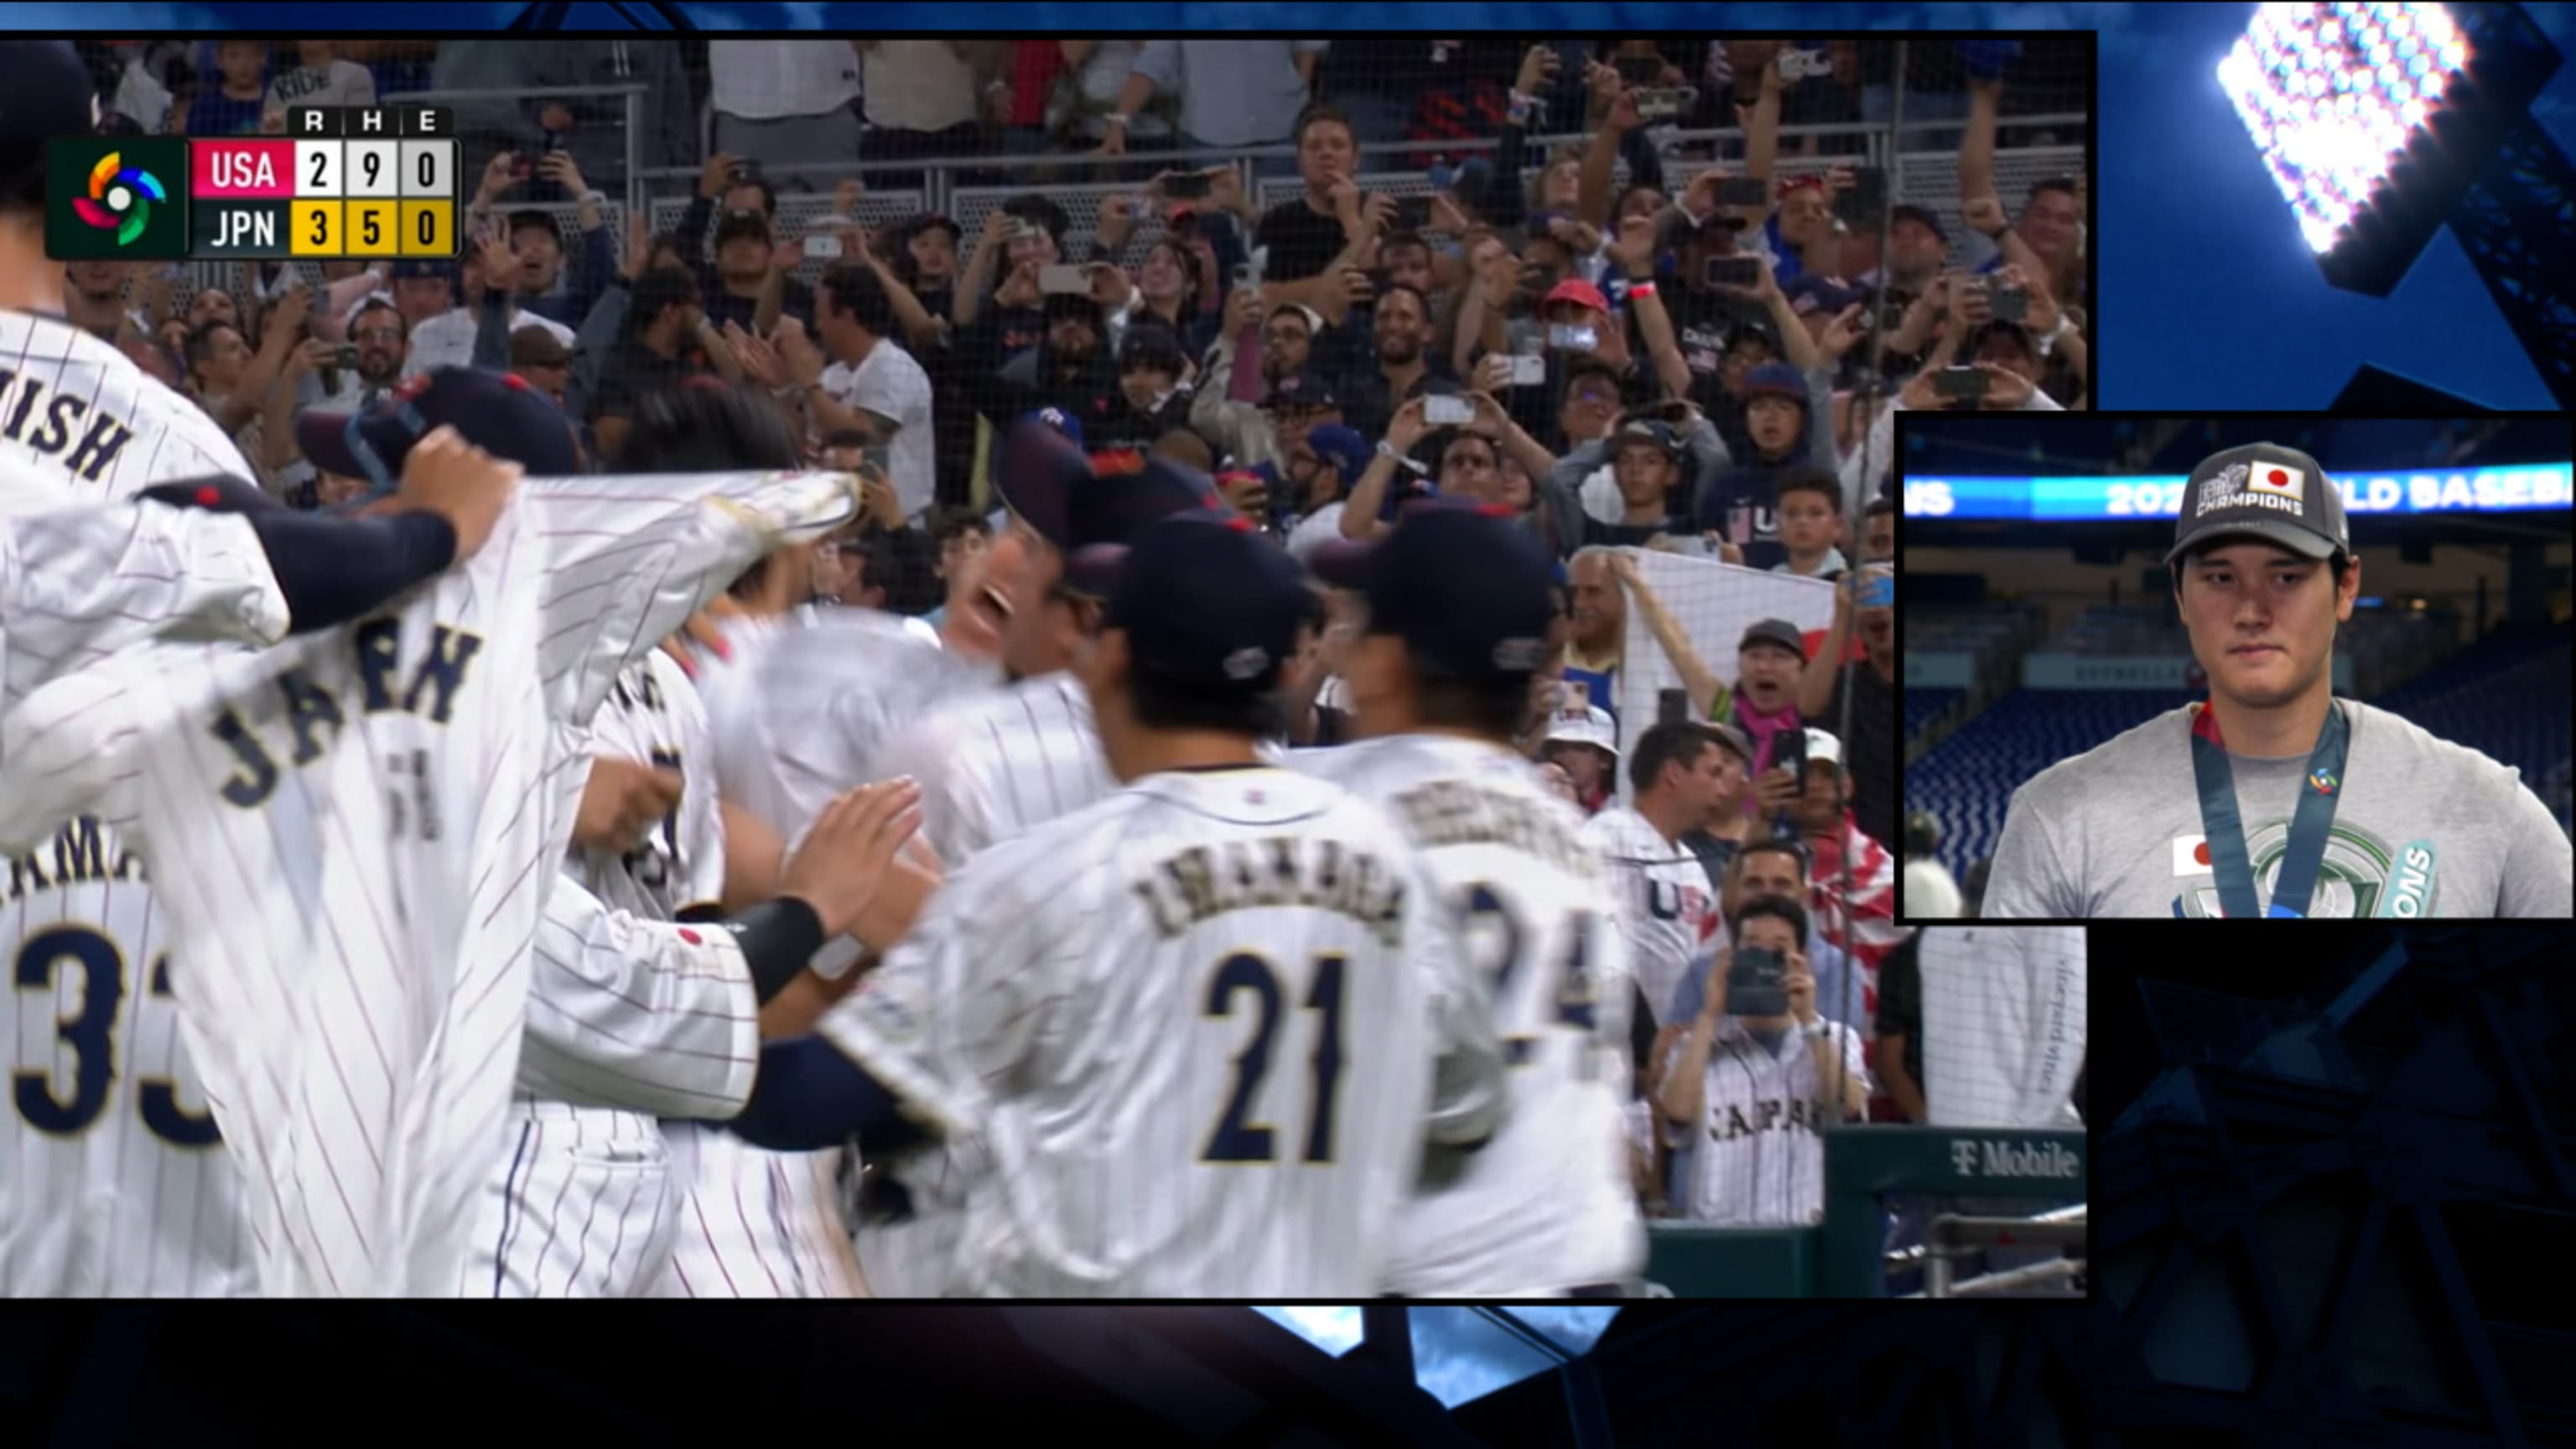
[(2274, 798), (1186, 1025), (1458, 613)]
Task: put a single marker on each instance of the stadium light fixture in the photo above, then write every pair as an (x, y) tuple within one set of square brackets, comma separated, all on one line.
[(2381, 123)]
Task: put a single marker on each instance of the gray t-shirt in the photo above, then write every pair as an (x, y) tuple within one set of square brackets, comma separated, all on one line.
[(2424, 828)]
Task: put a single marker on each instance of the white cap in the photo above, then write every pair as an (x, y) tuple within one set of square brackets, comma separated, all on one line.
[(1589, 725), (1822, 746)]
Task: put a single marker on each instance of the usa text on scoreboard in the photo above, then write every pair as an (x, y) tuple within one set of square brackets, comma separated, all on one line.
[(2468, 490), (355, 181)]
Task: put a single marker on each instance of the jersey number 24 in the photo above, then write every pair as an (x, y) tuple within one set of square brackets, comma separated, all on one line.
[(91, 1034)]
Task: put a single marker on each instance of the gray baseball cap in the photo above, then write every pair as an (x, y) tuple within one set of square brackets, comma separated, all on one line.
[(2279, 495)]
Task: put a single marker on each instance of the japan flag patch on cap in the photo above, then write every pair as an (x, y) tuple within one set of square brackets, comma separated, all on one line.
[(2191, 855), (2281, 480)]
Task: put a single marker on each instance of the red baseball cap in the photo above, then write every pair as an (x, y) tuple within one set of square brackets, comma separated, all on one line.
[(1575, 290)]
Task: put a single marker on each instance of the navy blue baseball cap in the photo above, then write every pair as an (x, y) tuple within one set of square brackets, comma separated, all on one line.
[(1777, 379), (1209, 606), (1060, 420), (1468, 589), (496, 412), (49, 94), (1341, 448), (1075, 501)]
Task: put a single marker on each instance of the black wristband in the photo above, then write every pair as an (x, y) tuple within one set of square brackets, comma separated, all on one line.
[(777, 937)]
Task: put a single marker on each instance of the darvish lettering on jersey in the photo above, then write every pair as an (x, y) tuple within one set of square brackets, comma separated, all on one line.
[(76, 405)]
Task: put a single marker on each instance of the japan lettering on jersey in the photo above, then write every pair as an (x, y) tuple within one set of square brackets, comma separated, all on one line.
[(1182, 1029), (1666, 907), (1544, 1206), (1760, 1162), (354, 834), (76, 412)]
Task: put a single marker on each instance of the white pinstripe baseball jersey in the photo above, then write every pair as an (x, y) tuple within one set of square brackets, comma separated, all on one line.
[(1184, 1029), (355, 833), (994, 765), (79, 583), (623, 1008), (75, 410), (116, 1184), (1762, 1163), (1666, 907), (809, 706), (1545, 1205), (799, 714)]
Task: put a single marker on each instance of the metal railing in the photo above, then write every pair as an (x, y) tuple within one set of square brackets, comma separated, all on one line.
[(630, 128)]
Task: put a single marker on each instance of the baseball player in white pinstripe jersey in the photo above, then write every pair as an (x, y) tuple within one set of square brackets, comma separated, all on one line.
[(994, 765), (1458, 609), (802, 710), (111, 1191), (352, 1024), (1186, 1029)]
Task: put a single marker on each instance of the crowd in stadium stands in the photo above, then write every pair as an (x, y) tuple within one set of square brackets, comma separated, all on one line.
[(1710, 366)]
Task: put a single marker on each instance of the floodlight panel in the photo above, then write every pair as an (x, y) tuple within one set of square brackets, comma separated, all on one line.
[(2333, 94)]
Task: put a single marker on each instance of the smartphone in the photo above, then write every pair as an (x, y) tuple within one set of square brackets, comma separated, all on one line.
[(1867, 197), (549, 141), (1672, 706), (2008, 304), (1378, 279), (1753, 980), (1187, 186), (1800, 64), (744, 170), (1529, 372), (877, 458), (1734, 271), (1639, 70), (1412, 213), (1877, 587), (348, 357), (1663, 105), (1965, 382), (1447, 410), (1743, 191), (1573, 339), (1056, 281), (1252, 272), (824, 245), (1789, 752)]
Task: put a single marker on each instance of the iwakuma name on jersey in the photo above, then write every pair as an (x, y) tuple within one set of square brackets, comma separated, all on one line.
[(1203, 881), (82, 852), (427, 686), (2013, 1159), (58, 425)]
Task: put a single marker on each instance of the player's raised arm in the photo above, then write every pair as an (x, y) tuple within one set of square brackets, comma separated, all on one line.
[(632, 556)]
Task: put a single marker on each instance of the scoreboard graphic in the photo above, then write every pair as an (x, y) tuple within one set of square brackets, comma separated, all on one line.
[(371, 181)]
